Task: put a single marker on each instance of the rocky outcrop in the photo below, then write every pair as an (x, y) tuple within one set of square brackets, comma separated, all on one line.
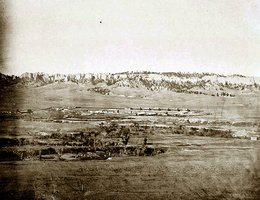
[(180, 82)]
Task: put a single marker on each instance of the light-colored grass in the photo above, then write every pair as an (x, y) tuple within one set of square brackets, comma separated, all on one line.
[(243, 106)]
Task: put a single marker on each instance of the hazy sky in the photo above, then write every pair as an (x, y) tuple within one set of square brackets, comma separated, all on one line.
[(66, 36)]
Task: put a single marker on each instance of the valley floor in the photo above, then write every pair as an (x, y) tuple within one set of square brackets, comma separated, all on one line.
[(193, 166)]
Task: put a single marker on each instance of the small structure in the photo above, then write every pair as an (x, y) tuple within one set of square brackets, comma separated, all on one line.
[(253, 138), (141, 114), (151, 113), (145, 141)]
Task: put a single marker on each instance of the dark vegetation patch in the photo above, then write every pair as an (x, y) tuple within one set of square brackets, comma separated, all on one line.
[(100, 142), (100, 90), (7, 142), (79, 153), (205, 132), (9, 155), (210, 132)]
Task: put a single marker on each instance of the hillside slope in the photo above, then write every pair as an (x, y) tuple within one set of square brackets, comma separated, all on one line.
[(142, 82)]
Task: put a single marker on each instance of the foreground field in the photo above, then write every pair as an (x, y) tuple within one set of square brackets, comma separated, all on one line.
[(202, 169)]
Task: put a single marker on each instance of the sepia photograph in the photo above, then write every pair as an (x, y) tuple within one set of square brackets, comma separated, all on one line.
[(129, 99)]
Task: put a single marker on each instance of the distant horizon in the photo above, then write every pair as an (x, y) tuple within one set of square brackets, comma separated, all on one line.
[(134, 71)]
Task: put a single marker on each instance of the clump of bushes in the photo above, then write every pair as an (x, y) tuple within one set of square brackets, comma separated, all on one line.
[(5, 142), (212, 133), (203, 132), (9, 154), (100, 90)]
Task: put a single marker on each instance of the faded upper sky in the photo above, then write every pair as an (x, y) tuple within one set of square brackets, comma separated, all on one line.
[(66, 36)]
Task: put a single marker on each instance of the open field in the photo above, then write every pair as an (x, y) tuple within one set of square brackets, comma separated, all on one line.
[(70, 143), (211, 169)]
